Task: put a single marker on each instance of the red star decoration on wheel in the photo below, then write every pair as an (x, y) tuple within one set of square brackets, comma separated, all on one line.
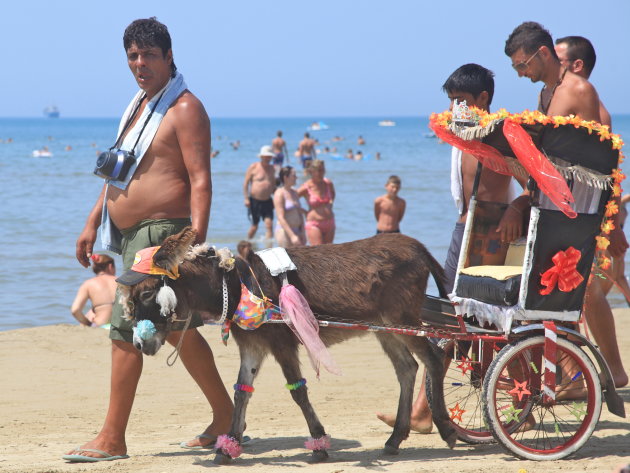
[(456, 412), (465, 365), (520, 390)]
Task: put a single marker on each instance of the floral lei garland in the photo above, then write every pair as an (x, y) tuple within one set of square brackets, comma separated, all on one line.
[(528, 117)]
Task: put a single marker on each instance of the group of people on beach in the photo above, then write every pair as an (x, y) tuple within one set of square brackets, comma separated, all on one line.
[(177, 163)]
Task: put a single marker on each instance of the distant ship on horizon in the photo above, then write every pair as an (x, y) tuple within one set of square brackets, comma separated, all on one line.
[(51, 111)]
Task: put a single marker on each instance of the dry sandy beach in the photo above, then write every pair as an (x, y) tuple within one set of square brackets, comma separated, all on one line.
[(55, 388)]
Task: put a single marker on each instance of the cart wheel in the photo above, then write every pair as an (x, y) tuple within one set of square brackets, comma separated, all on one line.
[(463, 384), (547, 430)]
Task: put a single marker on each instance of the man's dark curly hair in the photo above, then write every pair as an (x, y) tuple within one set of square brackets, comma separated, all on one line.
[(529, 37), (148, 33)]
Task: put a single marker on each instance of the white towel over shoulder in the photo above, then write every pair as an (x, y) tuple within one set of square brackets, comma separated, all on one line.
[(168, 94)]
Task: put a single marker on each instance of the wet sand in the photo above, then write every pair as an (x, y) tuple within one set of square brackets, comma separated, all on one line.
[(55, 389)]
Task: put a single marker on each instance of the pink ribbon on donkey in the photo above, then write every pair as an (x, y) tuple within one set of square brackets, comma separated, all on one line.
[(298, 315)]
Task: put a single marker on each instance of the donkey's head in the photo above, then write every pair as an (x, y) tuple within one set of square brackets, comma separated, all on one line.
[(154, 294)]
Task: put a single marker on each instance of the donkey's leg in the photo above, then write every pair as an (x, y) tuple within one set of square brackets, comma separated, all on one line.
[(252, 356), (286, 354), (432, 357), (406, 367)]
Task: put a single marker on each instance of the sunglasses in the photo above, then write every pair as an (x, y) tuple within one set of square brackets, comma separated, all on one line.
[(521, 66)]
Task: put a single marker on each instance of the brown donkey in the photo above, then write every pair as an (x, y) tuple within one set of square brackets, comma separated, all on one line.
[(380, 280)]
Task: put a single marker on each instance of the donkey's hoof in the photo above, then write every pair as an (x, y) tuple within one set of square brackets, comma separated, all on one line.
[(319, 456), (451, 439), (222, 459), (389, 450)]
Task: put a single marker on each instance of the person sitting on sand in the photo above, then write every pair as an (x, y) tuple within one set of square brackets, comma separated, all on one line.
[(99, 290), (389, 209)]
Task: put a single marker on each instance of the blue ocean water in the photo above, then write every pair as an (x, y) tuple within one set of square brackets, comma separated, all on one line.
[(44, 201)]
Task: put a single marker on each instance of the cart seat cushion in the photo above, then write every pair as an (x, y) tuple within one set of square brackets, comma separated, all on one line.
[(500, 273), (498, 285)]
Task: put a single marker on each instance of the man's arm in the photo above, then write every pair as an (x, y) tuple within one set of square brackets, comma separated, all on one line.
[(193, 134), (85, 242), (377, 208), (246, 181), (403, 207)]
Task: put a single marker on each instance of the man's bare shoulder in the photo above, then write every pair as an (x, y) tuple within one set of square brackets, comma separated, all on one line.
[(188, 106)]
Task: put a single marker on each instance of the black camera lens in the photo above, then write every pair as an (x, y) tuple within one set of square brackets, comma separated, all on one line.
[(114, 164)]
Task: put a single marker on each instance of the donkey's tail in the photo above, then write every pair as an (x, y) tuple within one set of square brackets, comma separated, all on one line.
[(437, 272)]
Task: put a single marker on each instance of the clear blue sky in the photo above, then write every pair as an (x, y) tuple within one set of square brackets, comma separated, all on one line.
[(256, 58)]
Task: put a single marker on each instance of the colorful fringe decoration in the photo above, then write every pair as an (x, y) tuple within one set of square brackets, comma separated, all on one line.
[(244, 387), (322, 443), (294, 386), (298, 316), (229, 445)]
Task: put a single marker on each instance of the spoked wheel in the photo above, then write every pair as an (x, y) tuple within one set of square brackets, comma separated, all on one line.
[(463, 384), (546, 429)]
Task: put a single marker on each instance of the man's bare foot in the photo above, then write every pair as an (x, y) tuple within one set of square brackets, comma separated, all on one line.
[(621, 380), (422, 426), (529, 424), (105, 445), (574, 391)]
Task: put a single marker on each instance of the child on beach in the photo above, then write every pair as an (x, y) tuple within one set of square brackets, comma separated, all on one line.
[(389, 209)]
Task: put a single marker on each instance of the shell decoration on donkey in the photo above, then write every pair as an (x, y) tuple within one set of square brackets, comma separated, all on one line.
[(379, 280)]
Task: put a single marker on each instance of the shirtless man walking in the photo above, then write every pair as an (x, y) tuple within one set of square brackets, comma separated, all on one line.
[(577, 54), (279, 147), (258, 186), (170, 189), (306, 150), (533, 55)]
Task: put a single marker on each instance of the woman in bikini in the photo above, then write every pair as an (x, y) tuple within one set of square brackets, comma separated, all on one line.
[(100, 290), (320, 195), (290, 215)]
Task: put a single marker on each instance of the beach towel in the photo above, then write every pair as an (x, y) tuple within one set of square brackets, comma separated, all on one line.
[(111, 237)]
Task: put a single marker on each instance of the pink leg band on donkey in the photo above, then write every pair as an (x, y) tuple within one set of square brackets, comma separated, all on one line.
[(229, 445), (322, 443)]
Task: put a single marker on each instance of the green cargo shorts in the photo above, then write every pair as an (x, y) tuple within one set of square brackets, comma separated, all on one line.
[(145, 234)]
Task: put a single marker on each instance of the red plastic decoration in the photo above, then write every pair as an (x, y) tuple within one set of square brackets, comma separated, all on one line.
[(563, 273), (488, 156), (538, 166)]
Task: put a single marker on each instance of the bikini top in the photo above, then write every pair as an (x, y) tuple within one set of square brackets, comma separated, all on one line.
[(288, 202), (318, 201)]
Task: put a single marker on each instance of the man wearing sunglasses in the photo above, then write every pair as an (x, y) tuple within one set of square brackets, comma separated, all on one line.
[(533, 55), (532, 52)]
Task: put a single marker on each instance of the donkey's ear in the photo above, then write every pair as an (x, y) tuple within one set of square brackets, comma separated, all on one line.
[(174, 248)]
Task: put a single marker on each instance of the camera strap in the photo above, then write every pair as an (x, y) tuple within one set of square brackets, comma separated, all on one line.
[(132, 117)]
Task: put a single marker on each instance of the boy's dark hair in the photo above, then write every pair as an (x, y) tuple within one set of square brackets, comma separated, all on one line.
[(148, 33), (578, 47), (472, 79), (394, 179), (529, 37)]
